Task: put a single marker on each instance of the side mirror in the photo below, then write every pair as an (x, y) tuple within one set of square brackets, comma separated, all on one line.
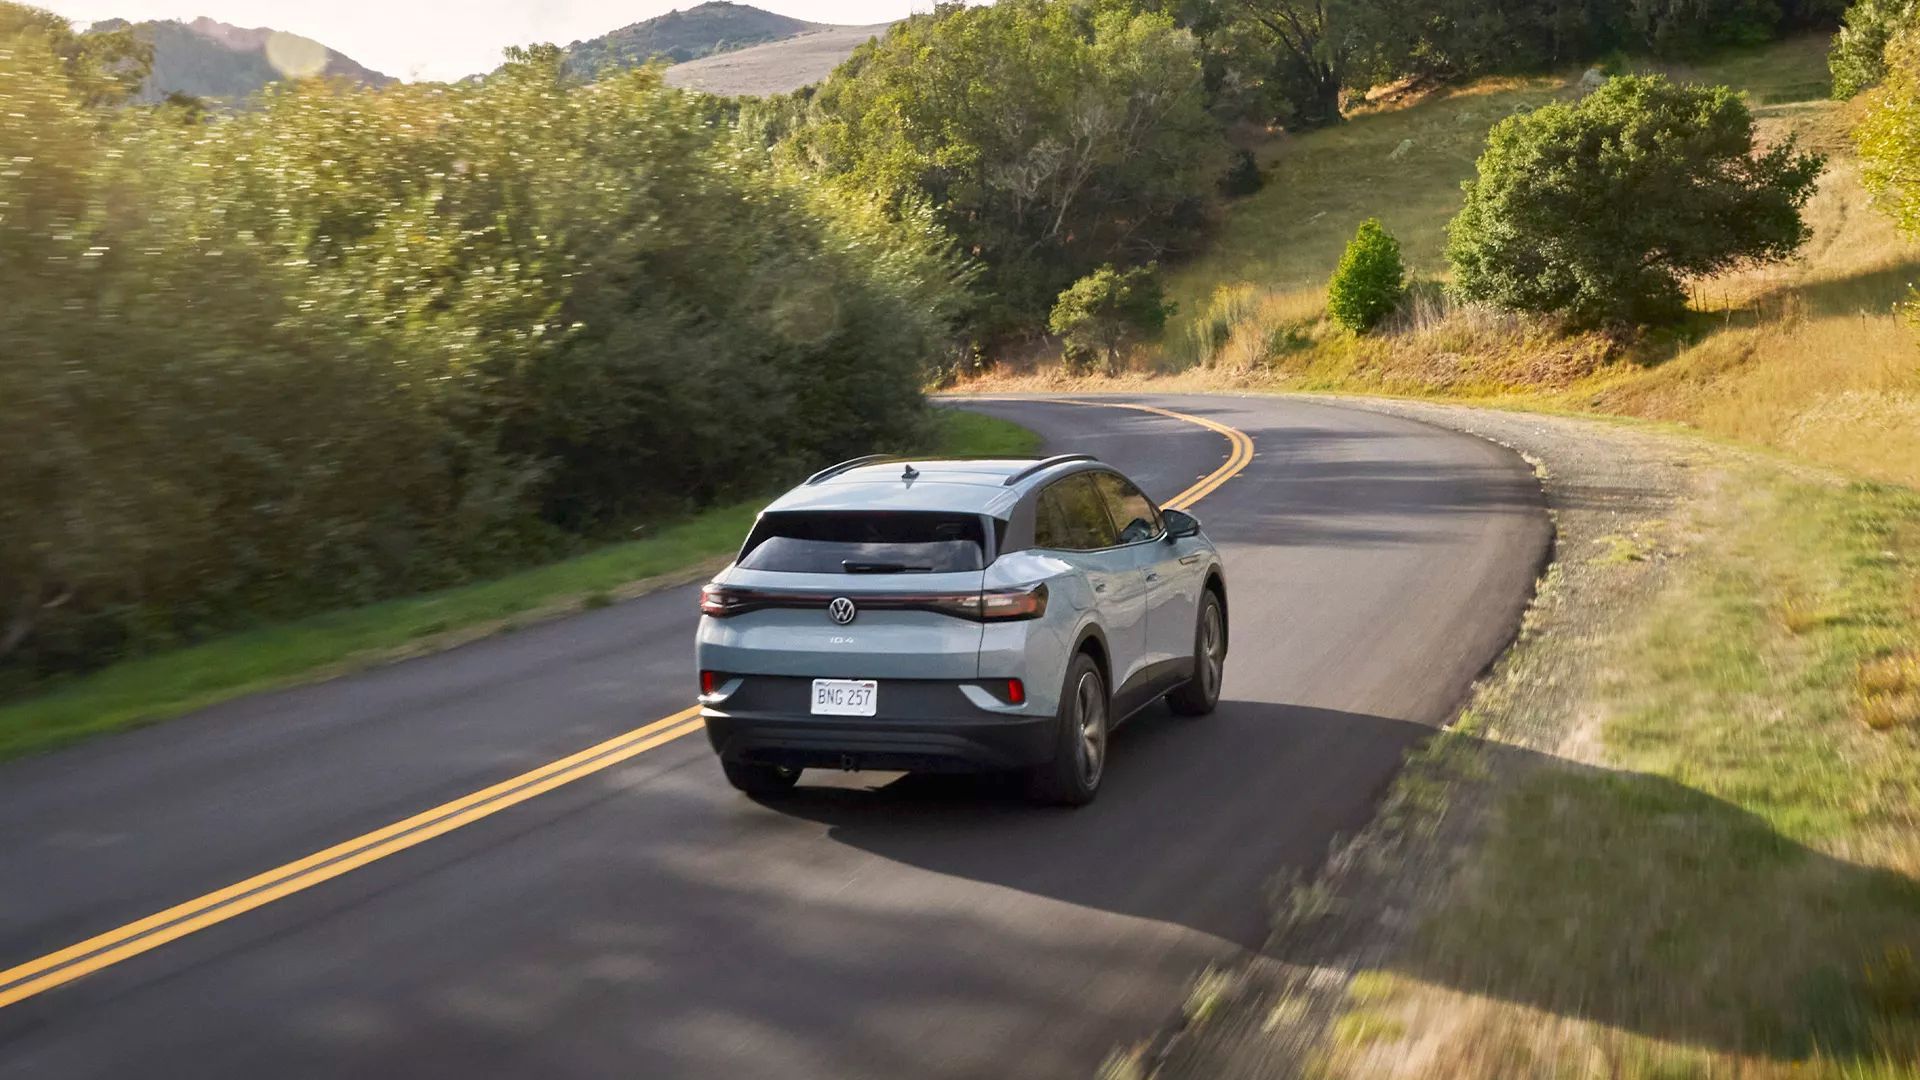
[(1180, 524)]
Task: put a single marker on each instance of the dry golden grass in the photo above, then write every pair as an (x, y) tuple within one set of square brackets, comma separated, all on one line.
[(1442, 1033), (1888, 689)]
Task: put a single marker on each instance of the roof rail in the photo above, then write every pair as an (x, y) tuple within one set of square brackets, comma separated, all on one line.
[(832, 471), (1045, 464)]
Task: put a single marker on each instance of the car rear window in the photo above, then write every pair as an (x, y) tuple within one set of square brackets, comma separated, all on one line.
[(865, 542)]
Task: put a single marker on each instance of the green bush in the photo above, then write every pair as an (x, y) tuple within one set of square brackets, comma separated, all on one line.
[(1858, 57), (1889, 134), (1601, 209), (1243, 177), (346, 344), (1370, 281), (1048, 137), (1107, 310)]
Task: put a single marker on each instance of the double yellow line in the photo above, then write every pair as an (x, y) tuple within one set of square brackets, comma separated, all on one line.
[(1238, 458), (104, 950)]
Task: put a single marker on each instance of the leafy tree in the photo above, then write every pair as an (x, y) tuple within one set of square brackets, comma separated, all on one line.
[(1314, 51), (350, 343), (1889, 133), (1679, 28), (104, 67), (1104, 312), (1047, 137), (1453, 38), (1600, 209), (1858, 58), (1370, 281)]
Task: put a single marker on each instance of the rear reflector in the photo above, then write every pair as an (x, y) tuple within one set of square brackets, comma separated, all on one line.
[(708, 682), (1016, 692)]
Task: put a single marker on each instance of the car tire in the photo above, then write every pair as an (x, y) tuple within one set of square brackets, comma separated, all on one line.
[(1198, 695), (1079, 762), (760, 779)]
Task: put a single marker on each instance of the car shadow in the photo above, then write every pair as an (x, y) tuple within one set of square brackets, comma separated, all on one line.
[(1195, 816)]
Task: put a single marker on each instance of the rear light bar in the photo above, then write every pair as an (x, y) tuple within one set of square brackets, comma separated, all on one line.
[(991, 605)]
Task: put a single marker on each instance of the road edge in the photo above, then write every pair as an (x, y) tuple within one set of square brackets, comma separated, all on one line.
[(1270, 1013)]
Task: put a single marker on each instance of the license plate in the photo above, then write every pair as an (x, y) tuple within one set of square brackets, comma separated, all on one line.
[(844, 697)]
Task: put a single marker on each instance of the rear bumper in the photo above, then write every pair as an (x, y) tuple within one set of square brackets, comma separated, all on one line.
[(922, 727)]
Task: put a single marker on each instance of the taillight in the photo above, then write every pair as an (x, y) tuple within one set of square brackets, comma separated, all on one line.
[(995, 605), (720, 601), (1004, 604), (709, 681)]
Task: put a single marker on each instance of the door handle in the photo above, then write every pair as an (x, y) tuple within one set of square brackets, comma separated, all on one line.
[(1151, 576), (1099, 586)]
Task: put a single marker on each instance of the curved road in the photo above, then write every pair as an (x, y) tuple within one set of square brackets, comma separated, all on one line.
[(644, 920)]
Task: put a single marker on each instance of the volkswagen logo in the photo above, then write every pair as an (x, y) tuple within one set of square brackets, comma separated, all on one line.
[(841, 610)]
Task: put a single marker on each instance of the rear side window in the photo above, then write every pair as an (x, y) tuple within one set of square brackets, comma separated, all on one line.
[(1132, 511), (1072, 516), (865, 542)]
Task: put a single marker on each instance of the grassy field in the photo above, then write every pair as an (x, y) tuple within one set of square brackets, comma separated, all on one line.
[(168, 684), (777, 67), (1811, 357), (1728, 883)]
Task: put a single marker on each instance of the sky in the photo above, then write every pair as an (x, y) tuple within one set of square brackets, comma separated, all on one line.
[(448, 39)]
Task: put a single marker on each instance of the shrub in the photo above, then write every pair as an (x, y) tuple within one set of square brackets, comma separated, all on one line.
[(1243, 177), (1370, 281), (347, 343), (1108, 309), (1889, 134), (1600, 209), (1858, 56)]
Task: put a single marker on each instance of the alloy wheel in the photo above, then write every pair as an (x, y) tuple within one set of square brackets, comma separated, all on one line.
[(1090, 705)]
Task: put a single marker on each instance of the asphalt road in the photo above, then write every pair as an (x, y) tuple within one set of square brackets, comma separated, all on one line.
[(645, 920)]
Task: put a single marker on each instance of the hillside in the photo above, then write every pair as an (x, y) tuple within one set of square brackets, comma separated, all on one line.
[(212, 59), (777, 67), (1812, 356), (679, 36)]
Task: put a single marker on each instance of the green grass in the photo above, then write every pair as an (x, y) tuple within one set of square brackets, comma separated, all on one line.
[(1405, 166), (978, 435), (171, 683), (1737, 890)]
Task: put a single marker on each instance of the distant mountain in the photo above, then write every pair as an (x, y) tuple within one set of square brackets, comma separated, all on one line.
[(211, 59), (679, 36)]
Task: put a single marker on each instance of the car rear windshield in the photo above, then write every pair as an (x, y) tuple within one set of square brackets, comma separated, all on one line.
[(865, 542)]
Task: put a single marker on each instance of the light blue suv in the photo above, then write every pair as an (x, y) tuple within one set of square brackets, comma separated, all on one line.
[(957, 615)]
